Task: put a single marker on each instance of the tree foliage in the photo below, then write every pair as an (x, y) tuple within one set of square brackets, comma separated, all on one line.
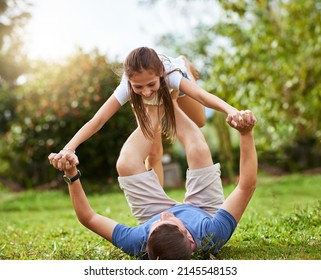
[(13, 17), (12, 60), (264, 55), (55, 102)]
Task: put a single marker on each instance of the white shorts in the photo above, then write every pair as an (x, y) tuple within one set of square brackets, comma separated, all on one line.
[(147, 198)]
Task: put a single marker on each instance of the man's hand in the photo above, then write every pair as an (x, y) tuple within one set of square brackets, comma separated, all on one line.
[(243, 121)]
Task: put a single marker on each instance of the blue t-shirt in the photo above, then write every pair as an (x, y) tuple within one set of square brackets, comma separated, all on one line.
[(208, 232)]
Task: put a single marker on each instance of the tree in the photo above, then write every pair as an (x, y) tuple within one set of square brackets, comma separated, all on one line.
[(12, 19), (268, 61), (12, 61), (12, 64), (272, 66)]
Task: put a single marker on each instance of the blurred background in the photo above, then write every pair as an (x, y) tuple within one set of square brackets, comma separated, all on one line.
[(60, 60)]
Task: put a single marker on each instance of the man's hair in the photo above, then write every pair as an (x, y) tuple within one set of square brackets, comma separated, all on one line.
[(167, 242)]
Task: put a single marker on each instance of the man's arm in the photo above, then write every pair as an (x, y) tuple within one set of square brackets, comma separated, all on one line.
[(101, 225), (238, 200)]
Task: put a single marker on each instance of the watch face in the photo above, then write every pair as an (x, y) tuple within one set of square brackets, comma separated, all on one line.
[(67, 179), (73, 179)]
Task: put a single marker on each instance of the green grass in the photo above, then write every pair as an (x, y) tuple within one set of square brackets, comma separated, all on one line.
[(283, 221)]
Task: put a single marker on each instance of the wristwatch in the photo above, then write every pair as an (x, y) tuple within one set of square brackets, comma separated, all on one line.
[(72, 179)]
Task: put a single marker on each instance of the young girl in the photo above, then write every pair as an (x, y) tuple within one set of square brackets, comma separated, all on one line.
[(152, 80)]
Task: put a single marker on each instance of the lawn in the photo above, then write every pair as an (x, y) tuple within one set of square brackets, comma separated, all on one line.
[(283, 221)]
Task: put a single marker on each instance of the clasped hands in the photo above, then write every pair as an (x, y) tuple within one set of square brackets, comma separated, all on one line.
[(64, 160), (243, 121)]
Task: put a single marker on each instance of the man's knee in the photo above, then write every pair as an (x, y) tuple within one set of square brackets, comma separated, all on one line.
[(198, 148), (126, 165), (199, 154), (121, 166)]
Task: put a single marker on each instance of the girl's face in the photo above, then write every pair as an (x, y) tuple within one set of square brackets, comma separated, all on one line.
[(145, 84)]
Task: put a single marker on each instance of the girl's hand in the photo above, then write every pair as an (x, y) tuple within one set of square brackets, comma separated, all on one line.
[(233, 118)]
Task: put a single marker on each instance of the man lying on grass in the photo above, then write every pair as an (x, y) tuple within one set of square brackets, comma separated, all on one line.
[(169, 229)]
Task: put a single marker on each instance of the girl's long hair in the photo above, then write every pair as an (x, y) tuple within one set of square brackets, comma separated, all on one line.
[(147, 59)]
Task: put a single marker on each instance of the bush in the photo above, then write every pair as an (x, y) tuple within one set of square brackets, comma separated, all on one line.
[(51, 106)]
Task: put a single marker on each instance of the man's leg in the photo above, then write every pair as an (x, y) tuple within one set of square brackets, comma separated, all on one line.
[(133, 154), (137, 147), (142, 189), (192, 108), (155, 157), (203, 182), (191, 137)]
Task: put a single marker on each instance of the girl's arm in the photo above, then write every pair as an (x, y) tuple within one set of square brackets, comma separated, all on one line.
[(106, 111), (202, 96)]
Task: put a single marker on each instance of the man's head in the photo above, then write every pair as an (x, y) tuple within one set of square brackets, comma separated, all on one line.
[(169, 239)]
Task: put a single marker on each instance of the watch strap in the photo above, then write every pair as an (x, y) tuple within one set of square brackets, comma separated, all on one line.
[(72, 179)]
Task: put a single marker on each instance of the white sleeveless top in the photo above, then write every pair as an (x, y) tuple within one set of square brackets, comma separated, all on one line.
[(172, 80)]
